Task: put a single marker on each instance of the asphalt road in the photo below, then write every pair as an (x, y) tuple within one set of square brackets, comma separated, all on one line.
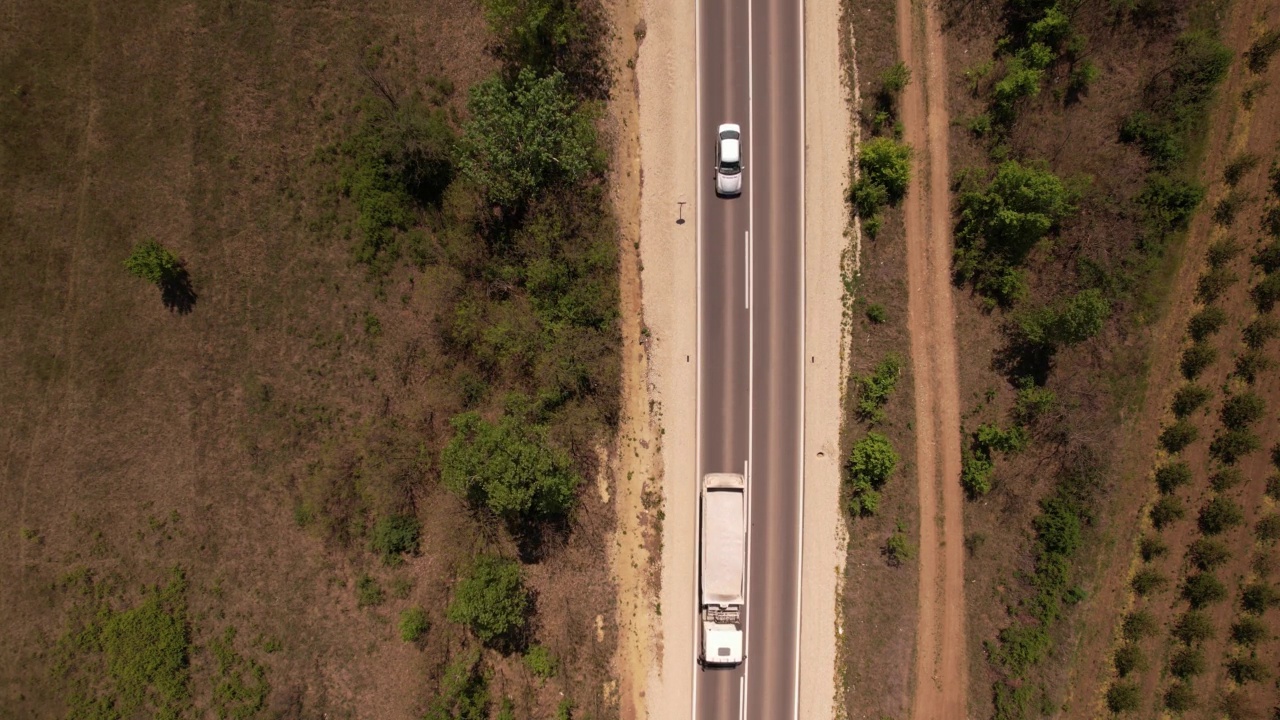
[(751, 381)]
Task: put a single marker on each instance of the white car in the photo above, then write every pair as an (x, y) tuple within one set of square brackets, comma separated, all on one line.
[(729, 160)]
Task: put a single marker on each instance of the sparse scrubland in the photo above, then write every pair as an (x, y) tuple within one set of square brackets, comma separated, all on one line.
[(1091, 164), (341, 466)]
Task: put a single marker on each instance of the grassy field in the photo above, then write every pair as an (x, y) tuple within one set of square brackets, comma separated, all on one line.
[(252, 479)]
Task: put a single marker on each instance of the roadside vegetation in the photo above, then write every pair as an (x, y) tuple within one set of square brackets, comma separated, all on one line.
[(367, 448)]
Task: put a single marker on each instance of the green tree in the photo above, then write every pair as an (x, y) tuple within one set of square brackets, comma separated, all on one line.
[(509, 468), (396, 535), (887, 163), (869, 466), (491, 601), (1073, 321), (153, 263), (413, 624), (535, 32), (524, 136), (1018, 208)]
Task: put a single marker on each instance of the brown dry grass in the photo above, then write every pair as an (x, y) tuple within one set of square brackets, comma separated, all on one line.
[(135, 439)]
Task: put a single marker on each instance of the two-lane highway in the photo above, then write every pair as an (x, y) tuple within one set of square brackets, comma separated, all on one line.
[(751, 332)]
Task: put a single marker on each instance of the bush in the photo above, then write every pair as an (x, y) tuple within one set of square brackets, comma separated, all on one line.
[(1206, 323), (1247, 669), (1238, 167), (1228, 447), (1226, 478), (525, 136), (491, 601), (1213, 284), (1155, 140), (1178, 436), (1208, 554), (1224, 212), (874, 389), (877, 314), (1258, 56), (1167, 510), (1138, 624), (1017, 209), (1128, 658), (1179, 697), (1258, 597), (1032, 403), (895, 79), (1273, 487), (1071, 322), (541, 662), (868, 198), (1169, 203), (368, 592), (1124, 697), (1152, 547), (1189, 398), (1187, 662), (1193, 628), (396, 535), (1266, 293), (887, 163), (1196, 358), (1268, 528), (870, 464), (150, 261), (1249, 630), (413, 624), (1148, 581), (1252, 363), (1202, 590), (1221, 252), (463, 692), (1241, 411), (898, 548), (1172, 476), (1262, 330), (1220, 515), (1267, 259), (509, 468)]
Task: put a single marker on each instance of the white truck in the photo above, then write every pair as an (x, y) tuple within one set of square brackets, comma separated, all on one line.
[(724, 560)]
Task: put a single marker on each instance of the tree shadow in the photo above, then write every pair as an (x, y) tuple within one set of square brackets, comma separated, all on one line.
[(177, 293)]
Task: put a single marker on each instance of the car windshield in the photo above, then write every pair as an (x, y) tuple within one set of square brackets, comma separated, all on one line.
[(730, 168)]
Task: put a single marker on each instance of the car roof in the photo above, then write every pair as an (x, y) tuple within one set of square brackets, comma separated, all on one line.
[(729, 150)]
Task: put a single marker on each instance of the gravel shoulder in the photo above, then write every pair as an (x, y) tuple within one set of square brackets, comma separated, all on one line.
[(827, 152)]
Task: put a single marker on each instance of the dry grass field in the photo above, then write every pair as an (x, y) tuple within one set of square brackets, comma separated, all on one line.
[(211, 479)]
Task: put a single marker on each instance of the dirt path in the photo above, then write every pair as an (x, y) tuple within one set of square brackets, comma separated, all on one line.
[(941, 673)]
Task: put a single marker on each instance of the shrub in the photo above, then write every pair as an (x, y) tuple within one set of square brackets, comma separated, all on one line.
[(1241, 411), (1189, 398), (1017, 209), (1032, 403), (1260, 331), (1206, 323), (491, 601), (1179, 697), (898, 548), (1238, 167), (1249, 630), (464, 691), (150, 261), (1167, 510), (413, 624), (867, 198), (1156, 140), (1178, 436), (1214, 283), (1228, 447), (1208, 554), (870, 464), (1226, 478), (1148, 581), (396, 535), (1268, 528), (1193, 628), (1258, 597), (1266, 293), (887, 163), (1138, 624), (1220, 515), (509, 468), (1124, 697), (1221, 252), (1152, 547), (1196, 358), (1082, 76), (556, 137), (874, 389), (1171, 476), (541, 662), (1071, 322), (1128, 658), (369, 592), (1247, 669), (1258, 56), (1273, 487), (1202, 590), (1224, 212), (1187, 662), (877, 314), (1168, 203), (1267, 258), (1250, 364), (895, 79)]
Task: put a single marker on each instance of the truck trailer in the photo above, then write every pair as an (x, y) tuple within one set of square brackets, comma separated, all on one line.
[(724, 560)]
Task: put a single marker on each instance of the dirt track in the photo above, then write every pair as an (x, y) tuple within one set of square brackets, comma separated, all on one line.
[(941, 673)]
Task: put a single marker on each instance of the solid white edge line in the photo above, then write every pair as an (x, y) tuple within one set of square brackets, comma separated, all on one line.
[(746, 270), (804, 150), (751, 335), (697, 367), (742, 698)]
